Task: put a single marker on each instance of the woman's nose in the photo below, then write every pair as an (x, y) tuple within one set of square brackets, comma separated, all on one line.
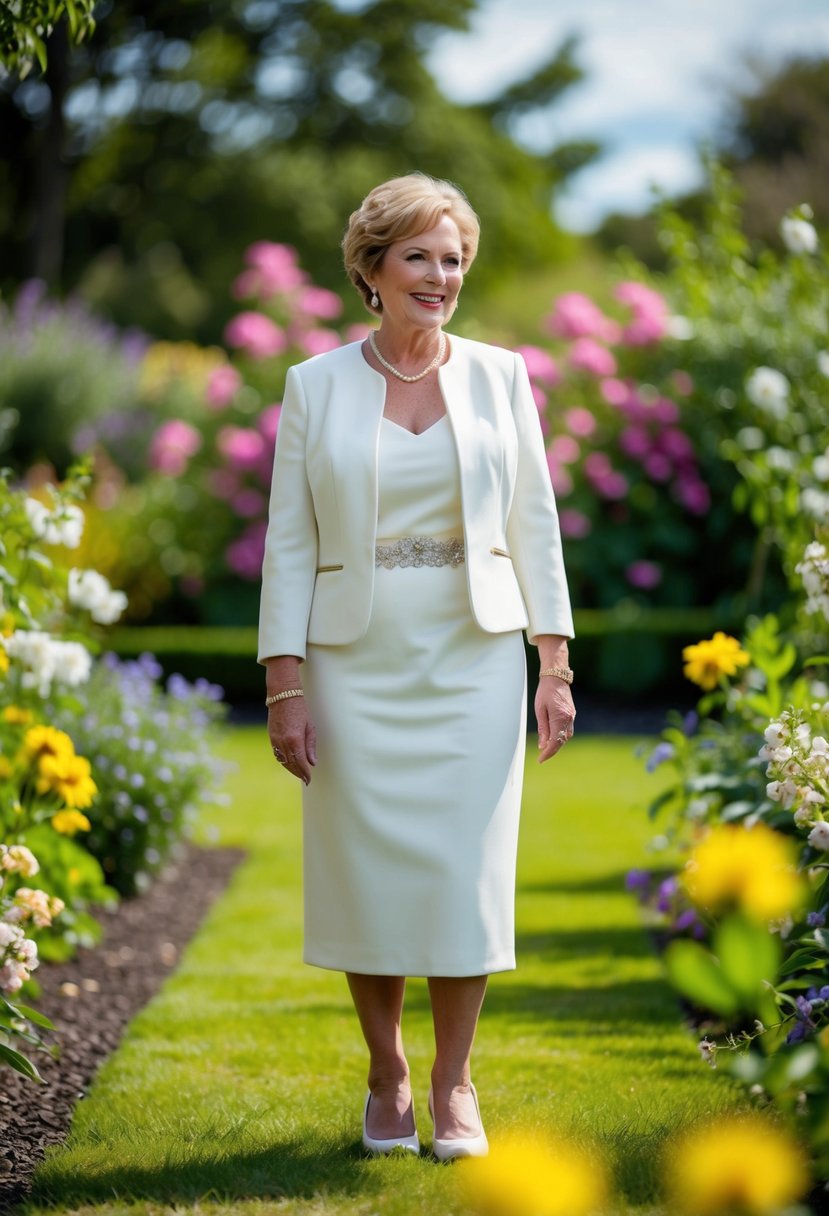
[(436, 273)]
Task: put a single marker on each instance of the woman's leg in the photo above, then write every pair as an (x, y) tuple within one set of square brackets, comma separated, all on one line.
[(456, 1004), (378, 1000)]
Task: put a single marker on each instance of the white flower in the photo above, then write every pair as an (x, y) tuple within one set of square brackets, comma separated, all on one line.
[(819, 835), (775, 733), (708, 1051), (819, 746), (75, 664), (17, 859), (9, 935), (820, 467), (798, 235), (751, 438), (803, 816), (769, 390), (780, 460), (823, 362), (680, 328), (12, 976), (48, 660), (815, 503), (783, 792), (63, 526), (90, 590)]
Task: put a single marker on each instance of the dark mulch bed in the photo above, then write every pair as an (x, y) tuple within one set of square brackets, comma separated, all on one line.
[(92, 998)]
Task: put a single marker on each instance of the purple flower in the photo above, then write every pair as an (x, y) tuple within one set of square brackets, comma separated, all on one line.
[(667, 892), (637, 880), (685, 920), (662, 752), (798, 1033), (690, 722), (816, 920)]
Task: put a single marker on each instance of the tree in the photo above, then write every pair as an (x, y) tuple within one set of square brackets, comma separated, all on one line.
[(188, 130), (25, 24)]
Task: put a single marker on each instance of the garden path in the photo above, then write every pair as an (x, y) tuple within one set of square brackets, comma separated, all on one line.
[(238, 1089)]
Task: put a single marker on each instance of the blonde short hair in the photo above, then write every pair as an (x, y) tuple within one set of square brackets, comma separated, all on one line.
[(397, 209)]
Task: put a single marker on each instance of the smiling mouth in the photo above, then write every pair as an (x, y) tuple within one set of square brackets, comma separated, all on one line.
[(424, 299)]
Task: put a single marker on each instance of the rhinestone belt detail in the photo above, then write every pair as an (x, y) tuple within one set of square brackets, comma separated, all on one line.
[(419, 551)]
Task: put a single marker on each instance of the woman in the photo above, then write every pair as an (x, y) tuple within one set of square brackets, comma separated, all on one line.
[(413, 535)]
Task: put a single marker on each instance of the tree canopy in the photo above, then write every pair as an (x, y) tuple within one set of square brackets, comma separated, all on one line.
[(142, 162)]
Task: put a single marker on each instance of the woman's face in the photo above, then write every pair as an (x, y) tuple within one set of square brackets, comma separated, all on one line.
[(419, 278)]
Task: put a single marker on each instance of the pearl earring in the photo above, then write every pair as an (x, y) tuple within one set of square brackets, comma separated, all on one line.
[(375, 299)]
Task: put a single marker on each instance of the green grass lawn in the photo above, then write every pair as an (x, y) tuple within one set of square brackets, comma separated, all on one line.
[(239, 1088)]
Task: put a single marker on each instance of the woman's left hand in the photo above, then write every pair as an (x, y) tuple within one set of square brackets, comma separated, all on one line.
[(555, 712)]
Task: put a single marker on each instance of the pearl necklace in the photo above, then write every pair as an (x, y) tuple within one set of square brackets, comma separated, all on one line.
[(400, 375)]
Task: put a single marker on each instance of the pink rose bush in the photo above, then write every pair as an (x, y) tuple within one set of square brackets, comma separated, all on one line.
[(219, 450), (634, 497)]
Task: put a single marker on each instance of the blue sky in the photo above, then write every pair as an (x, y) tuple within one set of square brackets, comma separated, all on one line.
[(658, 73)]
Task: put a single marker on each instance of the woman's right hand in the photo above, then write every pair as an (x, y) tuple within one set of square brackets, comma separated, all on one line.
[(293, 737)]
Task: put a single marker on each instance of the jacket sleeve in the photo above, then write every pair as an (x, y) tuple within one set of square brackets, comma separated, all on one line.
[(290, 562), (533, 532)]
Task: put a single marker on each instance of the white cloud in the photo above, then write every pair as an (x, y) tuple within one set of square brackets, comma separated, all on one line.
[(656, 78), (623, 182)]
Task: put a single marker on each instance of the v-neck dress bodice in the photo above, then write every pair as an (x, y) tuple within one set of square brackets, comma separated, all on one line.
[(419, 485)]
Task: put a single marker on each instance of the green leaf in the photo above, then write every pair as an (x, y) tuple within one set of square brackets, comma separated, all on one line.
[(748, 954), (19, 1063), (698, 976), (32, 1015)]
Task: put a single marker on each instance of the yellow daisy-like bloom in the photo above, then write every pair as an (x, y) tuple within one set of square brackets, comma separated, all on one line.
[(42, 742), (749, 868), (15, 715), (68, 776), (4, 661), (70, 822), (5, 768), (743, 1165), (533, 1175), (707, 661)]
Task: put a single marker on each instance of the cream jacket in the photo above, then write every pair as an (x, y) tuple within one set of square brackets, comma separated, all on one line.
[(318, 571)]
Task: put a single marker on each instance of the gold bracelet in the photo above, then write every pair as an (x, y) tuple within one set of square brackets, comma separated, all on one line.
[(283, 696), (563, 673)]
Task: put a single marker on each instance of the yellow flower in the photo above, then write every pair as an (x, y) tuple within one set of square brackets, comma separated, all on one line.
[(69, 777), (751, 868), (4, 661), (5, 768), (6, 625), (533, 1175), (70, 822), (743, 1165), (15, 715), (720, 655), (41, 742)]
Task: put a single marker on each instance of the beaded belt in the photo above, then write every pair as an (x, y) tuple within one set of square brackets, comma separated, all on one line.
[(419, 551)]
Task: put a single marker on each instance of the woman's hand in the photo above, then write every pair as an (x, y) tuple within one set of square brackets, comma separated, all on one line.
[(293, 737), (555, 712)]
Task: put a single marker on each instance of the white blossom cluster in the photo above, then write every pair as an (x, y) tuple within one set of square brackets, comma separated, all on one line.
[(798, 764), (47, 660), (814, 570), (61, 526), (90, 590), (18, 957), (18, 953)]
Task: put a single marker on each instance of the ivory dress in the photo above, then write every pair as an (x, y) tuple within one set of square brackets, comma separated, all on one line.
[(411, 817)]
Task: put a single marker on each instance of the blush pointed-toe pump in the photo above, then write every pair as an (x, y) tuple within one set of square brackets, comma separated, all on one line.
[(466, 1146), (380, 1148)]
